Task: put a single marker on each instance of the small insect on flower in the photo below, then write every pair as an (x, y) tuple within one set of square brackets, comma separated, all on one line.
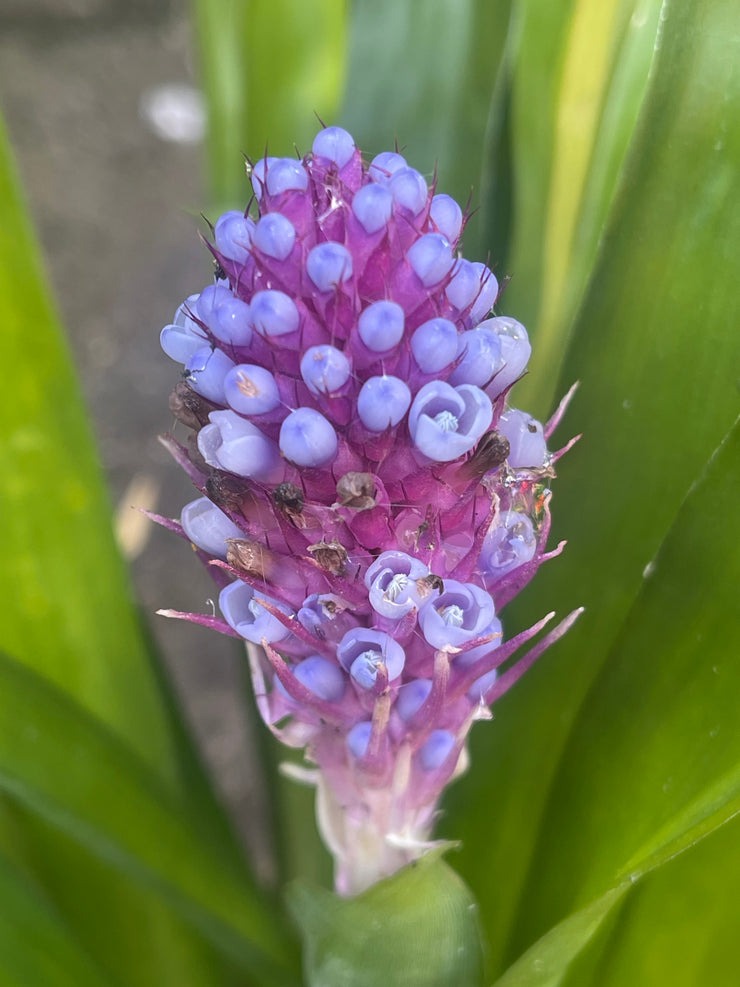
[(369, 500)]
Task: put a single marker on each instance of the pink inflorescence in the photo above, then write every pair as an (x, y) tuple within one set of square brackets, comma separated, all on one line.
[(369, 499)]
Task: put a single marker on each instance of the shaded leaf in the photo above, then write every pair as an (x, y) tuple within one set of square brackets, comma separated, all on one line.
[(426, 73), (267, 68), (418, 928), (35, 946), (59, 763)]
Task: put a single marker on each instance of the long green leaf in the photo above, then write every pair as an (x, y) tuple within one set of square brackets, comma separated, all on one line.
[(67, 612), (67, 607), (654, 349), (62, 765), (35, 947), (579, 76), (267, 68)]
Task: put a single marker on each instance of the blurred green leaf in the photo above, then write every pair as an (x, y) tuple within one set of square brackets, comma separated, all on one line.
[(654, 348), (67, 608), (678, 926), (418, 928), (67, 613), (267, 67), (35, 947), (426, 73), (61, 764)]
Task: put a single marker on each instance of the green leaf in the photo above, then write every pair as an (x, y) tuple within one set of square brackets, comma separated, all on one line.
[(267, 68), (67, 608), (35, 946), (677, 927), (62, 765), (418, 928), (578, 80), (426, 73), (654, 348), (67, 613)]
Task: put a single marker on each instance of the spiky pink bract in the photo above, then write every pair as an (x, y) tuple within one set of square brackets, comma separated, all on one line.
[(369, 500)]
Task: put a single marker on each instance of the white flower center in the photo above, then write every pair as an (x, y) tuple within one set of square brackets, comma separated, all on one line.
[(395, 587), (446, 421), (453, 615)]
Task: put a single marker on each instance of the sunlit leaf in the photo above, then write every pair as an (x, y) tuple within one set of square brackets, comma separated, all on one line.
[(654, 349), (578, 79)]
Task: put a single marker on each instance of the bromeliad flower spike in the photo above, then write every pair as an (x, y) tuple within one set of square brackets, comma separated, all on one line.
[(369, 500)]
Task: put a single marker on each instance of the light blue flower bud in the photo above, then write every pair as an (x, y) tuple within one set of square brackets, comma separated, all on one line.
[(307, 438), (334, 144), (273, 313), (436, 749), (242, 612), (207, 369), (274, 235), (434, 345), (431, 258), (208, 527), (382, 402), (251, 390), (328, 265), (324, 369), (373, 206), (526, 439), (381, 326)]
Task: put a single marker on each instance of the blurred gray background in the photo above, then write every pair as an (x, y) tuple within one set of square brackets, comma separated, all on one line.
[(113, 165)]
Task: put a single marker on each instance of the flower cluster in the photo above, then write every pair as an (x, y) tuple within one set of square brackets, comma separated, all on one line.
[(369, 500)]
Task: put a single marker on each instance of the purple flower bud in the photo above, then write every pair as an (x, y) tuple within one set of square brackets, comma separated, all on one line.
[(487, 295), (233, 236), (231, 443), (373, 206), (208, 527), (412, 696), (273, 313), (409, 190), (373, 647), (259, 176), (322, 677), (251, 390), (381, 326), (431, 258), (477, 692), (434, 345), (391, 580), (328, 264), (324, 369), (461, 613), (510, 544), (382, 402), (358, 738), (207, 368), (227, 317), (479, 351), (385, 165), (242, 611), (464, 285), (446, 422), (307, 438), (335, 145), (515, 351), (447, 216), (286, 175), (274, 235), (436, 749), (181, 340), (526, 438)]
